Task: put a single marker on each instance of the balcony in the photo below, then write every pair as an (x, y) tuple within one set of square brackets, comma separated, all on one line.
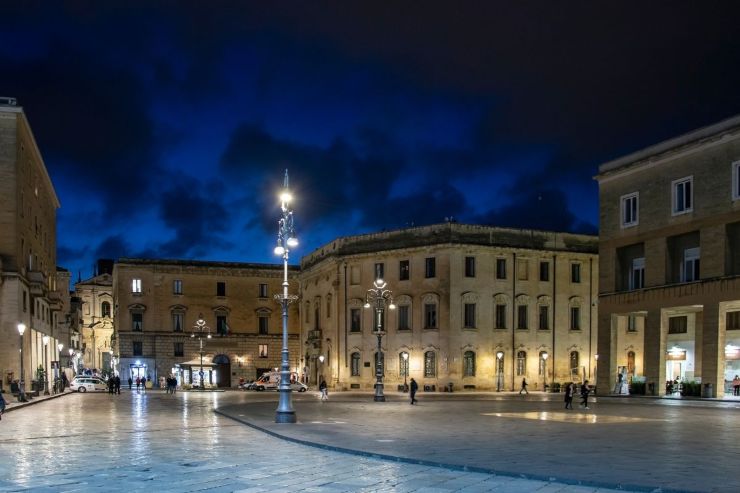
[(37, 283), (55, 300)]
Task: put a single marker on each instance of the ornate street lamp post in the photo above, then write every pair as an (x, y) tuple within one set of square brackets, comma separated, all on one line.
[(200, 330), (46, 351), (377, 297), (405, 357), (499, 367), (544, 367), (21, 380), (286, 240)]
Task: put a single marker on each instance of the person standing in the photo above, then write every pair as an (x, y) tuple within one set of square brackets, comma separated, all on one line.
[(412, 391), (736, 385), (130, 382), (2, 405), (118, 384), (138, 383), (585, 390), (524, 386), (324, 391), (569, 396), (143, 384)]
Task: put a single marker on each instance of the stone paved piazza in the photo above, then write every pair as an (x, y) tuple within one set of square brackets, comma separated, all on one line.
[(155, 441)]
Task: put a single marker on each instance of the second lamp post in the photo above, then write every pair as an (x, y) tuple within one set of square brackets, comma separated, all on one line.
[(377, 296)]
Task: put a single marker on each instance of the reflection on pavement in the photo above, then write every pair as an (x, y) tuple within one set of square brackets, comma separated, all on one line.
[(571, 417)]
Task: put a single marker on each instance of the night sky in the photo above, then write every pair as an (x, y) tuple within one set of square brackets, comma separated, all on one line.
[(166, 129)]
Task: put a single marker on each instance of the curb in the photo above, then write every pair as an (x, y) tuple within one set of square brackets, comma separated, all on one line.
[(456, 467), (35, 400)]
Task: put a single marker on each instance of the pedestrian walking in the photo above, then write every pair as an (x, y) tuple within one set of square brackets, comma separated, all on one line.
[(324, 390), (117, 382), (569, 396), (585, 390), (130, 382), (138, 383), (412, 391), (524, 387), (2, 405), (736, 385), (174, 384), (143, 383)]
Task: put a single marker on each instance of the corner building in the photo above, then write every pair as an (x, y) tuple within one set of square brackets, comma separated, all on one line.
[(669, 253), (28, 271), (157, 303), (464, 293)]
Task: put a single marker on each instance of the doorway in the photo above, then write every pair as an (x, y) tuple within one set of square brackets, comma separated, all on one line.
[(223, 370)]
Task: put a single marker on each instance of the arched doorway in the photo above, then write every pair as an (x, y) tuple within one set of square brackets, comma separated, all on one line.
[(223, 370)]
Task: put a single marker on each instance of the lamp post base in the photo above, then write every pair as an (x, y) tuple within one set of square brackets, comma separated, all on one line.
[(379, 398), (285, 417)]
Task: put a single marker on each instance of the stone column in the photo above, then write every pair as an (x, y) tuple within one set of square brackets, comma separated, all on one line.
[(712, 349), (654, 357)]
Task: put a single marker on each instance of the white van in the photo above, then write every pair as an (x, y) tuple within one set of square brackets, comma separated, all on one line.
[(271, 380)]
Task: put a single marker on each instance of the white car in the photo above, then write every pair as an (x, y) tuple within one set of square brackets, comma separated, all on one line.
[(83, 384)]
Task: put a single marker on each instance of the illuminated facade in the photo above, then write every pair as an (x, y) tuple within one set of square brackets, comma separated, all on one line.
[(157, 303), (464, 294), (28, 272), (96, 301), (669, 253)]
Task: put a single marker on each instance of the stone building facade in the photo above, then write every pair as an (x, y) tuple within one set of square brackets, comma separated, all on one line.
[(95, 296), (669, 253), (464, 294), (28, 273), (157, 304)]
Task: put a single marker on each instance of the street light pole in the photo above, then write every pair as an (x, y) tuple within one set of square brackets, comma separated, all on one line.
[(378, 295), (21, 380), (46, 351), (405, 357), (499, 358), (199, 329), (286, 240), (544, 368)]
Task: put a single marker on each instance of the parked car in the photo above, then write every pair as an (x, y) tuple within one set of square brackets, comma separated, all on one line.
[(83, 384)]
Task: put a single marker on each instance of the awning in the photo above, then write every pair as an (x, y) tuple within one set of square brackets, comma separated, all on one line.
[(207, 361)]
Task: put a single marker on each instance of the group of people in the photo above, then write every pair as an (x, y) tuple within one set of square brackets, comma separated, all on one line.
[(140, 383), (171, 384), (114, 385), (570, 390)]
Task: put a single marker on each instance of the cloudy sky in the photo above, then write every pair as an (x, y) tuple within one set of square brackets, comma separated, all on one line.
[(166, 128)]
